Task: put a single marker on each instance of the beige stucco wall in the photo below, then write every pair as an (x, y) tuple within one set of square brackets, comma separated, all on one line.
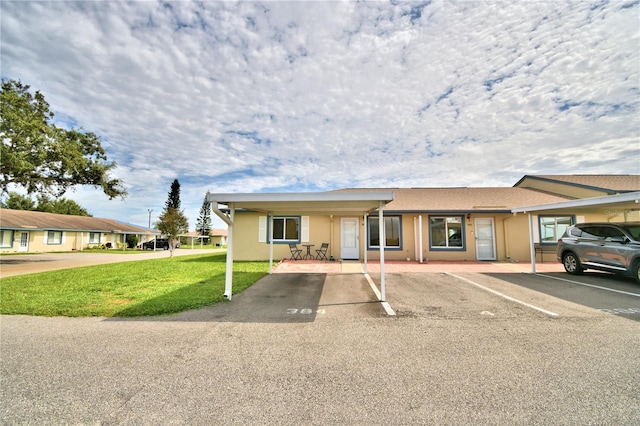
[(247, 247), (71, 240), (511, 237)]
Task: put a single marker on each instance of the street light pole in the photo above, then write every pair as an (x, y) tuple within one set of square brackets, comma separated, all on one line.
[(149, 210)]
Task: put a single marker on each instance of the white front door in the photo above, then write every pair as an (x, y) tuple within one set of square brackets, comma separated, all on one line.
[(349, 238), (485, 240), (24, 241)]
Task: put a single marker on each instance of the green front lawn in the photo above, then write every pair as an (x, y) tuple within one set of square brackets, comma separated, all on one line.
[(127, 289)]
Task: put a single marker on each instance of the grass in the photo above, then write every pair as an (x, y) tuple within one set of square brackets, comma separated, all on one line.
[(127, 289)]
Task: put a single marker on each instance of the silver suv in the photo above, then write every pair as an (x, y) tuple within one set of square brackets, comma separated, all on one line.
[(610, 247)]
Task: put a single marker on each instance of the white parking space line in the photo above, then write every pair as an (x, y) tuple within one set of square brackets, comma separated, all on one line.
[(497, 293), (385, 304), (592, 286)]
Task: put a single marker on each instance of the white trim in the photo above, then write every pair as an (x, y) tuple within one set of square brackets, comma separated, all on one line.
[(584, 202), (345, 196)]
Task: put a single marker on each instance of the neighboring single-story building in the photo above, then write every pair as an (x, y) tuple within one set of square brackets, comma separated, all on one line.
[(218, 237), (30, 231), (421, 224)]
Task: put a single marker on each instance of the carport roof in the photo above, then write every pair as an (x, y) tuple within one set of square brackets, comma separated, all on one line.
[(305, 202), (627, 201)]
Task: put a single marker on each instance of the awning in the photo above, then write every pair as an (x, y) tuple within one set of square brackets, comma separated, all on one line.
[(308, 203), (321, 203), (628, 201)]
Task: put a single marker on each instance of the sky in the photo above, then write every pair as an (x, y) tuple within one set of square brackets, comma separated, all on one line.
[(285, 96)]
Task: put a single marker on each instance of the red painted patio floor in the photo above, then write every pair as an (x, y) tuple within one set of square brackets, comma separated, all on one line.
[(395, 266)]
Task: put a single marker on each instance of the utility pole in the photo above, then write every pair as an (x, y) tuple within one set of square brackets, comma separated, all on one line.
[(149, 210)]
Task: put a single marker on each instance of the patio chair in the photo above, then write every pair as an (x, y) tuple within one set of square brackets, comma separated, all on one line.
[(296, 253), (322, 252)]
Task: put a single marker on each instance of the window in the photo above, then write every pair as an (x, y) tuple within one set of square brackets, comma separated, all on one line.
[(6, 238), (54, 237), (94, 238), (553, 227), (446, 232), (286, 229), (392, 232)]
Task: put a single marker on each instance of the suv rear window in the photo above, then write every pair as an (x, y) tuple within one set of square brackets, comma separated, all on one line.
[(592, 232), (634, 231)]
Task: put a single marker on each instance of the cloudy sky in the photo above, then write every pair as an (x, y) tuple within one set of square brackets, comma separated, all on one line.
[(312, 96)]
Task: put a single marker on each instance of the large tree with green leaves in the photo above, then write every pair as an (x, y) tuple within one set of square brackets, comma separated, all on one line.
[(41, 157), (203, 224), (43, 203), (172, 222)]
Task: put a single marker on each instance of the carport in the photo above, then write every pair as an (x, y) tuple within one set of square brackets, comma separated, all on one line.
[(308, 203), (624, 203)]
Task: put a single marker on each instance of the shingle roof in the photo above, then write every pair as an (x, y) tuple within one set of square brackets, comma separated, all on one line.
[(25, 219), (463, 199), (613, 183)]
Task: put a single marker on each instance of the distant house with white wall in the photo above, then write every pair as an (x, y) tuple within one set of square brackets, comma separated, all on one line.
[(30, 231)]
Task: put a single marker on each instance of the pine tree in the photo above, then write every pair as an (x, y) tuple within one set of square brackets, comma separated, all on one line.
[(174, 196), (172, 222), (203, 224)]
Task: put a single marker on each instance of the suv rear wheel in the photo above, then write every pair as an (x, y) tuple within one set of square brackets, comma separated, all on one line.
[(572, 264), (635, 271)]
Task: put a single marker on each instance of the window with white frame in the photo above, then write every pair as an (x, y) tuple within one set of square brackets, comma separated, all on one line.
[(553, 227), (94, 237), (54, 237), (286, 229), (392, 232), (446, 232), (6, 238)]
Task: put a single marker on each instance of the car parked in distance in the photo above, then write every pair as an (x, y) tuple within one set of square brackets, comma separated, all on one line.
[(610, 247), (160, 243)]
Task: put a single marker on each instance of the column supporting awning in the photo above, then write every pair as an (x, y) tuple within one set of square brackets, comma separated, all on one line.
[(382, 243)]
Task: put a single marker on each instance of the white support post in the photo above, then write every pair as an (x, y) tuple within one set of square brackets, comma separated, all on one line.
[(270, 235), (366, 240), (420, 238), (532, 249), (228, 281), (382, 242)]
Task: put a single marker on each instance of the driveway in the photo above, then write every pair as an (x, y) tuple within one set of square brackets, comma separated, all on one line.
[(317, 349)]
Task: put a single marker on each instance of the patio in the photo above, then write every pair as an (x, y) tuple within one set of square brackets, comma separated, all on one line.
[(398, 267)]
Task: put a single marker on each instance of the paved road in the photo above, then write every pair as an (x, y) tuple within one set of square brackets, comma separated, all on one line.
[(33, 263), (317, 349)]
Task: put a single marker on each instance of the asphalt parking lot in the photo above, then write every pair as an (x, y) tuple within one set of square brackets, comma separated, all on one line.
[(463, 347)]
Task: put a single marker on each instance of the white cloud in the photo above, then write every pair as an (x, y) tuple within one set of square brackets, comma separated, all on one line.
[(322, 95)]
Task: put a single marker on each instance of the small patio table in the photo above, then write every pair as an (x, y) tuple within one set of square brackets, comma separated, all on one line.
[(308, 254)]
